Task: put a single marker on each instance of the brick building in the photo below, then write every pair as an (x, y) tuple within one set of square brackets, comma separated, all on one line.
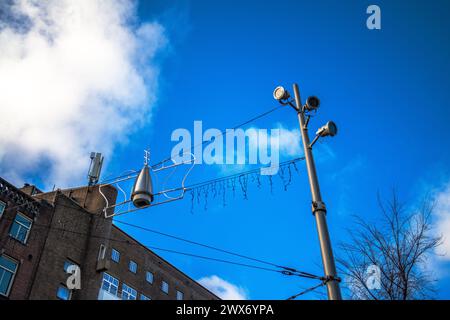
[(43, 235)]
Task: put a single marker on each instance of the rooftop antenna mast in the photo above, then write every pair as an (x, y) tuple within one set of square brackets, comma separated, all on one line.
[(95, 168)]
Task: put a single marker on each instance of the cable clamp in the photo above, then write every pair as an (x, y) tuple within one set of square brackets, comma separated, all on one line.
[(318, 206), (330, 278)]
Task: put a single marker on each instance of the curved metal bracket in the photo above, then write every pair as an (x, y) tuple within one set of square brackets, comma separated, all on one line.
[(165, 192)]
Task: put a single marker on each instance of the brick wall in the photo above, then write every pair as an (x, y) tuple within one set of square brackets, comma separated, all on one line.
[(130, 249), (27, 254), (70, 226)]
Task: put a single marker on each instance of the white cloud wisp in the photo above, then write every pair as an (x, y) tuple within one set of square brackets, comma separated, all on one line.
[(223, 289), (75, 77), (442, 223)]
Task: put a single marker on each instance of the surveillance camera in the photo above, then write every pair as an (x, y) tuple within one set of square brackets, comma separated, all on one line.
[(280, 94), (330, 129), (312, 103)]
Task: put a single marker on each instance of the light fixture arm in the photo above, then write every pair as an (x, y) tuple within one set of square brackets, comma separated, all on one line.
[(292, 105), (307, 121), (314, 141)]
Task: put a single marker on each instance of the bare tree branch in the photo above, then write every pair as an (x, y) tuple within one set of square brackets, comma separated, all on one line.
[(398, 244)]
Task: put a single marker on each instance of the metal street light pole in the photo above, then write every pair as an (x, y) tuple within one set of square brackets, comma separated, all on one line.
[(318, 207)]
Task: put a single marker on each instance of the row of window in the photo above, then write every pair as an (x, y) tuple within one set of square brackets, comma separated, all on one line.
[(8, 269), (132, 266), (19, 230), (111, 284)]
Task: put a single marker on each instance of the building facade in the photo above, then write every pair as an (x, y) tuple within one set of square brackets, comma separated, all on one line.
[(45, 237)]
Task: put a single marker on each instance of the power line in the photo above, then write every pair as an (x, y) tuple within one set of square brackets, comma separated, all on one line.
[(214, 259), (286, 269), (223, 132), (168, 250), (306, 291), (196, 243), (202, 143)]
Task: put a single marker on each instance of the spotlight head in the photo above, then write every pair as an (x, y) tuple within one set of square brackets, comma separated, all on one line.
[(312, 103), (280, 94), (330, 129)]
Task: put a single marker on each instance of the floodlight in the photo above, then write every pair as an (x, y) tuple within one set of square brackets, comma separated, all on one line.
[(330, 129), (312, 103), (280, 94)]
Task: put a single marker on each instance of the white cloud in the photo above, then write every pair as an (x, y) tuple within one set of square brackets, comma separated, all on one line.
[(264, 140), (288, 141), (442, 224), (75, 76), (223, 289)]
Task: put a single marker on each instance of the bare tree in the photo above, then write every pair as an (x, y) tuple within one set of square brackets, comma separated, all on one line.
[(386, 260)]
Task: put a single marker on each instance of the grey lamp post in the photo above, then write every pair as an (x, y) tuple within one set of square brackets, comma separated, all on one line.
[(318, 206)]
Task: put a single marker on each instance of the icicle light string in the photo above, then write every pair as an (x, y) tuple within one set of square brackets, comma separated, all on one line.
[(239, 182)]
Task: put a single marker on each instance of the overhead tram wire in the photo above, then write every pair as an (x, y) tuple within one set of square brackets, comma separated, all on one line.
[(106, 181), (157, 248), (223, 132), (286, 270), (295, 296)]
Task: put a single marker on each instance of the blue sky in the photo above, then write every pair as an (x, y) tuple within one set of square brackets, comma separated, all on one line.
[(386, 89)]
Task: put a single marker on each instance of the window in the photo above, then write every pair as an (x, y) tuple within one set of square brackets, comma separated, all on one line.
[(128, 293), (149, 277), (2, 208), (165, 287), (20, 228), (110, 284), (63, 293), (143, 297), (132, 266), (101, 252), (180, 295), (115, 255), (8, 268)]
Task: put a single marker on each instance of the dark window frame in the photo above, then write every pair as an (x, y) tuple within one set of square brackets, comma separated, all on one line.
[(14, 273), (112, 255), (3, 206), (21, 226), (132, 262)]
